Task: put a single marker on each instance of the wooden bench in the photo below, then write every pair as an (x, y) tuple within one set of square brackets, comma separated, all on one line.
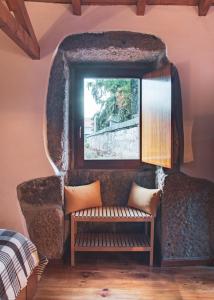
[(111, 241)]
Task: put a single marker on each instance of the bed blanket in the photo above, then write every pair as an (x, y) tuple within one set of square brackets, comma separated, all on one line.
[(18, 259)]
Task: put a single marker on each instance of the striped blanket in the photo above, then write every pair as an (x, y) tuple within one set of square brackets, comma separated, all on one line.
[(18, 259)]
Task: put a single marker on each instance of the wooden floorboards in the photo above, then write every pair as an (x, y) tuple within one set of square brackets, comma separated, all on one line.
[(124, 277)]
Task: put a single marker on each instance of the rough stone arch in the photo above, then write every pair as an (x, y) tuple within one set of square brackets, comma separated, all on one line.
[(107, 47)]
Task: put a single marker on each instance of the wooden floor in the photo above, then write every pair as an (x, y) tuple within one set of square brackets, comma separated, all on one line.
[(124, 277)]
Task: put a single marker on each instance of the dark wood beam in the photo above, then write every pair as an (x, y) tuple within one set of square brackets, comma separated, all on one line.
[(203, 7), (202, 4), (76, 6), (20, 12), (17, 33), (123, 2), (141, 6)]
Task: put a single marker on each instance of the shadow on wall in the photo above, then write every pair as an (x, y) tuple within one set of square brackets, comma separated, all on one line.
[(202, 147), (69, 24)]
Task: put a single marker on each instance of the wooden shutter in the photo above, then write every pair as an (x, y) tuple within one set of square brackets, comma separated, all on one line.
[(156, 128)]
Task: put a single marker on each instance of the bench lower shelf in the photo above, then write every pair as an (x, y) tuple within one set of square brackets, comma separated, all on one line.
[(91, 241), (111, 242)]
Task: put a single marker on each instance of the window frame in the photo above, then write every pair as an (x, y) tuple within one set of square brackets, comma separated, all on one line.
[(100, 70)]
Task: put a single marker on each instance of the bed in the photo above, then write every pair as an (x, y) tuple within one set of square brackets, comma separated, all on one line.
[(20, 266)]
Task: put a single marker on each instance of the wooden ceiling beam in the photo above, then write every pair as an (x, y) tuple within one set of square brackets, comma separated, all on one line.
[(141, 6), (203, 7), (17, 33), (123, 2), (76, 6), (20, 12)]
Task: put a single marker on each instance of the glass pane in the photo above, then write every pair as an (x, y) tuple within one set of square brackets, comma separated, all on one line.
[(111, 118)]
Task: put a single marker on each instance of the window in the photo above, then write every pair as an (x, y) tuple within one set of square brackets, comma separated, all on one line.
[(111, 119), (111, 102)]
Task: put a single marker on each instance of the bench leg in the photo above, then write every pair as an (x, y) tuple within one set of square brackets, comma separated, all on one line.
[(73, 229), (152, 243)]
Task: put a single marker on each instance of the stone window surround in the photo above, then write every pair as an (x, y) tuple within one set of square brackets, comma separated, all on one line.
[(101, 48)]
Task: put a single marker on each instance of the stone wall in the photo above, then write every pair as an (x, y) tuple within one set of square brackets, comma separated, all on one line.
[(117, 141), (41, 202), (187, 223), (144, 50)]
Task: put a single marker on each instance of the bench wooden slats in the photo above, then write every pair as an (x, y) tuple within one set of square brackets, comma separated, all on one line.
[(114, 241), (110, 212), (111, 241)]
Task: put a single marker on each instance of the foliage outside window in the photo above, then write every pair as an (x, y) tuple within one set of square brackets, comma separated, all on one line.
[(111, 118)]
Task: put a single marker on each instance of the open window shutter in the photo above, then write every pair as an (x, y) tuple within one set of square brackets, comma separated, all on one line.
[(156, 118)]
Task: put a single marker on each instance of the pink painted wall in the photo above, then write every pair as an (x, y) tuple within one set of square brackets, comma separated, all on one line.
[(23, 87)]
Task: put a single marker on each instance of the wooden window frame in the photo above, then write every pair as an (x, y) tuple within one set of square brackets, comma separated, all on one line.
[(100, 70)]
